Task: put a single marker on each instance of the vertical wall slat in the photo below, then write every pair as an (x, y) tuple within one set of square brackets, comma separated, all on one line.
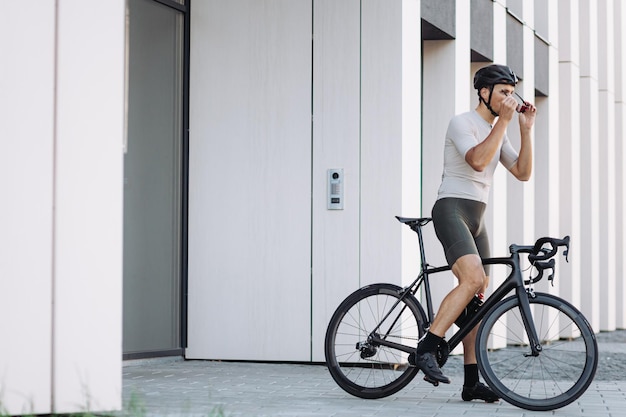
[(589, 161), (336, 145), (87, 338), (620, 156), (250, 180), (606, 164), (26, 212)]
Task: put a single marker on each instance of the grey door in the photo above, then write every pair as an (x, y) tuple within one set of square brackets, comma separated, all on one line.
[(152, 181)]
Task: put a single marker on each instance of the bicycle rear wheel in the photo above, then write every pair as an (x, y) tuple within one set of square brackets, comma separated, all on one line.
[(560, 373), (358, 365)]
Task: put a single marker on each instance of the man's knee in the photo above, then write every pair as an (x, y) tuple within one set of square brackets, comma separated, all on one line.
[(477, 280), (470, 272)]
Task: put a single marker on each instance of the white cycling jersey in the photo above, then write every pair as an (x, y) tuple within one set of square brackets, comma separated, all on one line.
[(459, 179)]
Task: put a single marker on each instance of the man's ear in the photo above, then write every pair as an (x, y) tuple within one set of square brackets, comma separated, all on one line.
[(484, 93)]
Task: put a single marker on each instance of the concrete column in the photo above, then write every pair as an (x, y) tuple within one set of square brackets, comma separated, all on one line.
[(521, 195), (497, 210), (589, 161), (411, 134), (547, 147), (619, 17), (569, 145), (26, 212), (606, 164), (87, 274)]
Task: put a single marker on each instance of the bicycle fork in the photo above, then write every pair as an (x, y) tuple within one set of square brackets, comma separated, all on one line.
[(524, 295)]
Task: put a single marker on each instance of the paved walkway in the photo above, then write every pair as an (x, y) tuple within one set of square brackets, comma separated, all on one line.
[(174, 387)]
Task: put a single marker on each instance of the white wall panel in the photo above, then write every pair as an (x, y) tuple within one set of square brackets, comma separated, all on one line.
[(87, 333), (552, 134), (336, 144), (606, 163), (381, 144), (589, 161), (521, 194), (547, 180), (547, 172), (620, 157), (568, 31), (250, 180), (497, 211), (411, 188), (569, 145), (26, 156), (411, 134), (389, 138), (527, 89)]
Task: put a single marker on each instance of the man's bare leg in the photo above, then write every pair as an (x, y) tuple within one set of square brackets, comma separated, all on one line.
[(470, 273), (472, 279), (469, 341)]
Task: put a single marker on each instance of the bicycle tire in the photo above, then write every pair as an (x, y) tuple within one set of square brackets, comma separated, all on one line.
[(360, 368), (561, 372)]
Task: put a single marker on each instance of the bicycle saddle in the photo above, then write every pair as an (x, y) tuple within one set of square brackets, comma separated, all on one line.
[(421, 221)]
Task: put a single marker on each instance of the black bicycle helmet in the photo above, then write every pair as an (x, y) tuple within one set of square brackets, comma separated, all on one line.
[(494, 74), (491, 75)]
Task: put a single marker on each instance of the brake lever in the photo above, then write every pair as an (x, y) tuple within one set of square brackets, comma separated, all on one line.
[(566, 250), (542, 266), (550, 265)]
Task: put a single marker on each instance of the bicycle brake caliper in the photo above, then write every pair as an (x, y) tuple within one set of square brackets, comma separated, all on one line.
[(531, 292)]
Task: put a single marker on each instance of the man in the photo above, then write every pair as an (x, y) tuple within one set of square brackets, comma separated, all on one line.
[(475, 142)]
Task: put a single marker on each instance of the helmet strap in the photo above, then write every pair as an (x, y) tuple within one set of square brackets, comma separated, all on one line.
[(488, 103)]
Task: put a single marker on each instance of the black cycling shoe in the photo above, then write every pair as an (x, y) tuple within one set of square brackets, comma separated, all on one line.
[(430, 380), (427, 363), (479, 391)]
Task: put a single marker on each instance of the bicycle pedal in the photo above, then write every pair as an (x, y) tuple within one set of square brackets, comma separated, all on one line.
[(432, 381)]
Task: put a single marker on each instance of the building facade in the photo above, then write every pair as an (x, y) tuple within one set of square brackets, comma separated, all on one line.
[(167, 163)]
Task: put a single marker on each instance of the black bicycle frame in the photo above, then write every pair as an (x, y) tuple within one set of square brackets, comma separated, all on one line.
[(514, 281)]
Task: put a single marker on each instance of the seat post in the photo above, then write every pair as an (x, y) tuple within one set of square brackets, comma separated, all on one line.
[(417, 227)]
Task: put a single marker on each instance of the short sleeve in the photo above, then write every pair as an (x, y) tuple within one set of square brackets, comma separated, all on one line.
[(462, 135), (508, 154)]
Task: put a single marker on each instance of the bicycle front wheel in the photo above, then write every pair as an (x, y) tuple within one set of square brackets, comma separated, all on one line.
[(359, 365), (564, 367)]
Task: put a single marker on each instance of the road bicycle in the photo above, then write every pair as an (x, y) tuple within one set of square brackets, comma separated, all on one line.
[(535, 350)]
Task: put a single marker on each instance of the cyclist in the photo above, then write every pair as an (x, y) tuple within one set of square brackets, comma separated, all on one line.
[(475, 142)]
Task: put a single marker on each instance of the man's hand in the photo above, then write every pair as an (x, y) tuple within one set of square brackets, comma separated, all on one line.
[(507, 108), (527, 119)]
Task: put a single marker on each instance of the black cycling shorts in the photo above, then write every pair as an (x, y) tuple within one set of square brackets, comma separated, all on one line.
[(460, 227)]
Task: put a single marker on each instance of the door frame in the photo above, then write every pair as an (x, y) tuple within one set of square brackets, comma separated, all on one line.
[(184, 190)]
